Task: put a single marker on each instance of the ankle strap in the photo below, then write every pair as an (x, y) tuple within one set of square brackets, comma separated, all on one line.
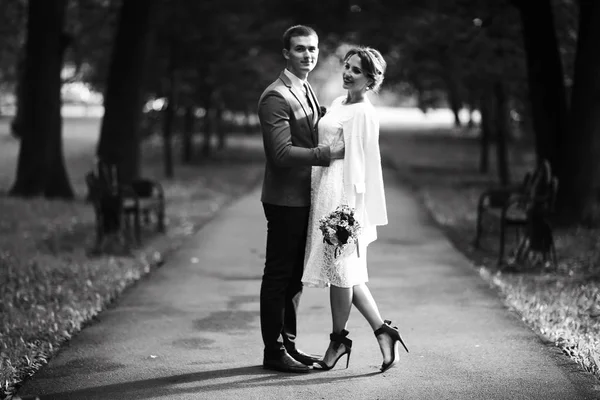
[(383, 328), (340, 338)]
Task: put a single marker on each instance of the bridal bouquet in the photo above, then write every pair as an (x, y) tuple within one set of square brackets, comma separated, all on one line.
[(340, 228)]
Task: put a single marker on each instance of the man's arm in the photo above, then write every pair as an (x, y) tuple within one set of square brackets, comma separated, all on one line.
[(273, 112)]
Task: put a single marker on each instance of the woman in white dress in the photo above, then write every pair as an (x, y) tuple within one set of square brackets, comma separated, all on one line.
[(357, 182)]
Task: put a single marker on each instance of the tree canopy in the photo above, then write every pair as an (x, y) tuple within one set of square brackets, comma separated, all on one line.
[(219, 54)]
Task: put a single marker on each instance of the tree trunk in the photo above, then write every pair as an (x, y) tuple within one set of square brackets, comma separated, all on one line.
[(249, 126), (119, 136), (472, 108), (454, 100), (15, 126), (486, 133), (502, 132), (208, 126), (221, 134), (547, 91), (188, 129), (58, 184), (168, 136), (170, 113), (470, 122), (41, 168), (579, 178)]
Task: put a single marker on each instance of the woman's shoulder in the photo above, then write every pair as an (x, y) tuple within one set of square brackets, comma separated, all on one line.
[(364, 109), (338, 101)]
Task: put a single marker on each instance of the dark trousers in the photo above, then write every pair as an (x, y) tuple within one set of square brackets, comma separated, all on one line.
[(281, 282)]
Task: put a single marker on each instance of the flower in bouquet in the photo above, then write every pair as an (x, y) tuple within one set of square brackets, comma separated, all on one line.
[(340, 228)]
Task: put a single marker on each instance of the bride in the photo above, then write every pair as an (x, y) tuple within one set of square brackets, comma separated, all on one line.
[(356, 181)]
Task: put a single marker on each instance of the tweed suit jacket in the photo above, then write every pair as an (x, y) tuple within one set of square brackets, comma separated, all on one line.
[(290, 142)]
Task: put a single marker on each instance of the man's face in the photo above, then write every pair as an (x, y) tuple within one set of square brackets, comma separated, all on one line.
[(302, 55)]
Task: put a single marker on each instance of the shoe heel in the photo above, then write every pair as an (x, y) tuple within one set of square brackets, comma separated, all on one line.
[(338, 339), (393, 333), (402, 342)]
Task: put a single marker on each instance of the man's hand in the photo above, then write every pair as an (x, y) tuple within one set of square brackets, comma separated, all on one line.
[(338, 150)]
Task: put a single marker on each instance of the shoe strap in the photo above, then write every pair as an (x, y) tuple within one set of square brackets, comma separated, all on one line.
[(340, 338), (383, 328)]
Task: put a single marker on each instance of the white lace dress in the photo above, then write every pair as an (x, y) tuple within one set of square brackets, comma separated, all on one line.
[(321, 267)]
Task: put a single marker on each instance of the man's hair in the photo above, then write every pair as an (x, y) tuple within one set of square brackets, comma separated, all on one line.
[(372, 63), (296, 30)]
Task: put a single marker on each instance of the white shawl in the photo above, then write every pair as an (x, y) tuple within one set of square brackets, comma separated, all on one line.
[(363, 177)]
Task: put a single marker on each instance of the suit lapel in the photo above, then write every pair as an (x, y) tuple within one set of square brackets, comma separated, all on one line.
[(298, 96), (301, 98)]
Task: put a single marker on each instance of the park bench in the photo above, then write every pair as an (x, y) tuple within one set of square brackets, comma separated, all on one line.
[(525, 207), (117, 206)]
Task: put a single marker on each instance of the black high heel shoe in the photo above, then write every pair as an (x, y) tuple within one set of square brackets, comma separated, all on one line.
[(338, 339), (393, 333)]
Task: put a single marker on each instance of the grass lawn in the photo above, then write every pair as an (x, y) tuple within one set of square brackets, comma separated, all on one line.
[(50, 287), (561, 304)]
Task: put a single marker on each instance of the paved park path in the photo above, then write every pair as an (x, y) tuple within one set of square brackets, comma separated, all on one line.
[(190, 330)]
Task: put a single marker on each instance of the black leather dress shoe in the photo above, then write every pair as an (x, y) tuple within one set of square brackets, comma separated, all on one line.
[(304, 358), (284, 363)]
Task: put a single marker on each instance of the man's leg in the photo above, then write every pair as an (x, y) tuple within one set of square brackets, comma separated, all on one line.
[(278, 289), (297, 230), (277, 278)]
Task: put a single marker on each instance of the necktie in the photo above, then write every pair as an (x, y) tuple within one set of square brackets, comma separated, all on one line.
[(310, 100)]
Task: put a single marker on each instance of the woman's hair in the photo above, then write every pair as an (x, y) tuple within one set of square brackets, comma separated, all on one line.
[(372, 62), (296, 30)]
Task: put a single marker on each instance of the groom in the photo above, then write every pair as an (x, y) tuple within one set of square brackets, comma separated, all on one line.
[(288, 111)]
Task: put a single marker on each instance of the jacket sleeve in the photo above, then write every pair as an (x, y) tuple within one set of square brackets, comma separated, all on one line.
[(356, 133), (363, 176), (274, 115)]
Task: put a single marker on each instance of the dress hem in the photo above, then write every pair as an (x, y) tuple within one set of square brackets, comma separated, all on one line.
[(324, 285)]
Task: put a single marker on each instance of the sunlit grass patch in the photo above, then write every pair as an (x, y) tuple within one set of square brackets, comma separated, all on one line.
[(562, 310)]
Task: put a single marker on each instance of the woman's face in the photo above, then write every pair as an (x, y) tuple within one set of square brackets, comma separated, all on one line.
[(354, 77)]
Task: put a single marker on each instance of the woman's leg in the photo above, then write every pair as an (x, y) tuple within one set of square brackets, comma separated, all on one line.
[(340, 300), (365, 303)]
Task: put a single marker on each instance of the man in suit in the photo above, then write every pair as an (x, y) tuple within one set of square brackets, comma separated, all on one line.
[(288, 112)]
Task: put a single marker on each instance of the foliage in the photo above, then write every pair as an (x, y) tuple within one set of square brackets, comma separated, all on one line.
[(566, 14), (91, 25), (214, 48), (89, 29), (438, 50), (233, 48), (12, 39)]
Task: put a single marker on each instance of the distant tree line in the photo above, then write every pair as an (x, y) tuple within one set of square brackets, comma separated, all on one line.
[(537, 59)]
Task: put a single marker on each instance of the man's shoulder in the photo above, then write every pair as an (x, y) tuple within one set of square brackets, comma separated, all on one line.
[(278, 87), (273, 87)]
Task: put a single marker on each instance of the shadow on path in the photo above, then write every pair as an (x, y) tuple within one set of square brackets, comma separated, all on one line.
[(199, 382)]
